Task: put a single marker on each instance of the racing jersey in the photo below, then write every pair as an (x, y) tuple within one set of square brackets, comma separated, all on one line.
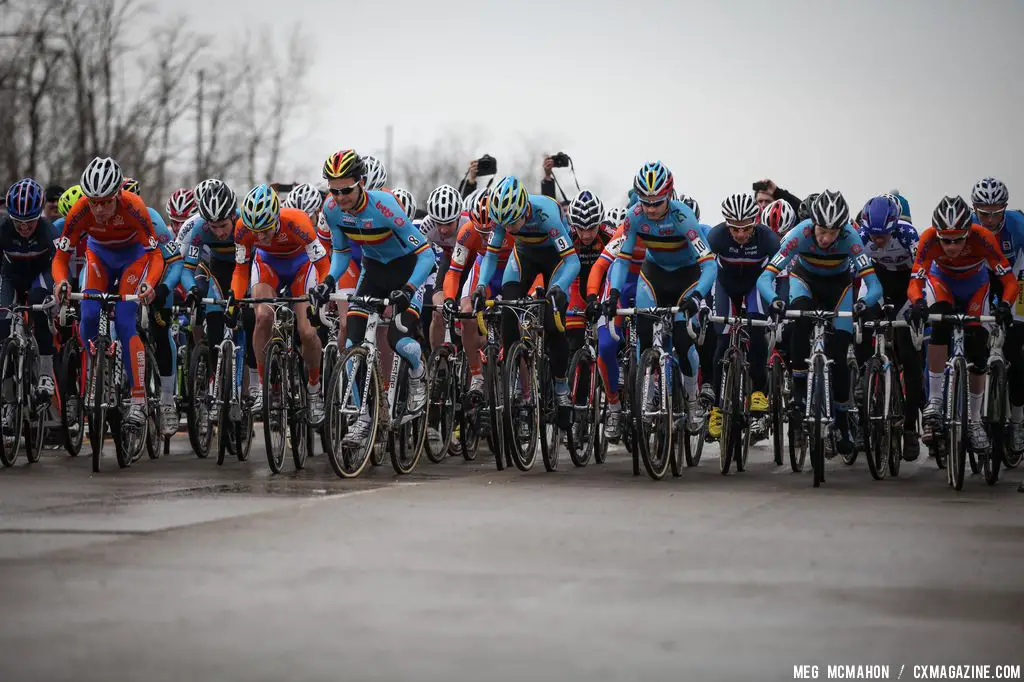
[(470, 243), (894, 260), (842, 256), (200, 242), (379, 226), (129, 226), (1011, 241), (739, 265), (545, 227), (676, 241), (980, 251), (25, 258), (169, 248), (590, 254), (597, 273), (295, 234)]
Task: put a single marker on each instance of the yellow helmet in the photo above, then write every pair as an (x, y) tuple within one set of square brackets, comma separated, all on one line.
[(68, 199), (343, 164)]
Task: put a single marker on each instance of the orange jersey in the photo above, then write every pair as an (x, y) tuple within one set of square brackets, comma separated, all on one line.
[(469, 244), (981, 250), (608, 256), (295, 235), (130, 226)]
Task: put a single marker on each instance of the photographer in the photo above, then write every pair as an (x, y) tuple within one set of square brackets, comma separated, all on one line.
[(485, 165), (766, 191)]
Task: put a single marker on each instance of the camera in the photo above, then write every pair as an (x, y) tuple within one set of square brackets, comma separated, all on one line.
[(760, 186), (560, 160), (486, 165)]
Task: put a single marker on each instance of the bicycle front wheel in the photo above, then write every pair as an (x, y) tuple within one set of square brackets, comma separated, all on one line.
[(72, 393), (98, 394), (300, 432), (581, 395), (154, 423), (407, 438), (776, 408), (495, 406), (550, 433), (35, 410), (12, 403), (995, 418), (653, 413), (197, 409), (732, 411), (816, 432), (275, 405), (344, 401), (328, 364), (522, 405), (877, 432), (957, 421), (441, 402)]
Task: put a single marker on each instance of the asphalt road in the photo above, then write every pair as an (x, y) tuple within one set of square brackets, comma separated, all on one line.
[(180, 570)]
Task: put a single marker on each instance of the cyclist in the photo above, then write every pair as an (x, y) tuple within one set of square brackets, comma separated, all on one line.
[(779, 216), (443, 222), (375, 175), (396, 261), (743, 248), (543, 247), (951, 275), (989, 199), (180, 207), (26, 245), (122, 248), (76, 264), (891, 244), (692, 203), (278, 248), (679, 268), (804, 211), (825, 250), (591, 235)]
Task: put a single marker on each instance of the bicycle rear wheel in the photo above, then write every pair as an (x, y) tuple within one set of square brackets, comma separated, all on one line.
[(878, 438), (12, 403), (654, 413), (441, 403), (957, 421), (71, 395), (582, 389), (995, 419), (522, 406), (197, 409), (818, 412), (275, 405)]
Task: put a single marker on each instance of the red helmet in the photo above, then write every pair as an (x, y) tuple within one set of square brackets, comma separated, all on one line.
[(779, 216), (182, 205)]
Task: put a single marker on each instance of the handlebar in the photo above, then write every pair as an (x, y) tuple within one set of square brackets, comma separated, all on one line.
[(104, 298), (369, 301)]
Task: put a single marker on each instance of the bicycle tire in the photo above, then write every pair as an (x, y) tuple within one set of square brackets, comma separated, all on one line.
[(598, 416), (877, 436), (34, 411), (224, 431), (468, 412), (742, 452), (154, 422), (328, 365), (580, 440), (817, 435), (897, 418), (655, 453), (679, 426), (10, 385), (550, 432), (72, 396), (956, 439), (300, 431), (98, 412), (197, 410), (776, 408), (731, 410), (493, 378), (995, 419), (524, 454), (275, 405), (128, 441), (441, 401), (408, 438), (348, 462), (853, 415)]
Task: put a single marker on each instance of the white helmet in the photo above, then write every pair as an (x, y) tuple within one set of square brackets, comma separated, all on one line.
[(615, 214), (217, 201), (739, 207), (586, 211), (203, 186), (374, 173), (406, 200), (692, 203), (444, 204), (990, 192), (306, 198), (101, 178), (830, 210)]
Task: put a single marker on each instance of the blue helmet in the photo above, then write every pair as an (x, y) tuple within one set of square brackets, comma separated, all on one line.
[(653, 182), (509, 201), (880, 216), (25, 200)]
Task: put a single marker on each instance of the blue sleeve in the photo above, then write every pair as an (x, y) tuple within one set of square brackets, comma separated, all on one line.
[(620, 268), (490, 260), (708, 264), (341, 254), (568, 270), (788, 249), (169, 248), (404, 230)]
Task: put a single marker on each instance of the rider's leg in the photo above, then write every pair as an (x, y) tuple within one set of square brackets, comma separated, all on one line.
[(437, 319), (41, 325)]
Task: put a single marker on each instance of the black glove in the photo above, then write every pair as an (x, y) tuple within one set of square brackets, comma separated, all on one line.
[(401, 299), (321, 291), (593, 308), (449, 307), (778, 307), (559, 302), (918, 311), (691, 306), (1003, 314), (193, 297), (479, 297), (161, 293), (611, 304), (861, 311)]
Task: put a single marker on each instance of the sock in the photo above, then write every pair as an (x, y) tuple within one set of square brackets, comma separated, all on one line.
[(313, 387), (690, 386), (167, 390), (416, 372), (934, 386), (254, 378), (561, 386), (1017, 413), (46, 365), (975, 404), (616, 406)]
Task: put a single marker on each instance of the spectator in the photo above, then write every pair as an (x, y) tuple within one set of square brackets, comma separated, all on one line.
[(771, 192), (468, 184), (53, 193), (547, 183)]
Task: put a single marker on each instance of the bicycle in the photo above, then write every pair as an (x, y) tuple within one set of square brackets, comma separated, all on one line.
[(448, 400), (780, 388), (70, 377), (884, 412), (587, 393), (810, 430), (24, 405), (735, 390), (627, 377), (853, 416), (955, 416), (492, 420), (285, 398), (659, 408), (331, 351), (356, 393), (108, 387)]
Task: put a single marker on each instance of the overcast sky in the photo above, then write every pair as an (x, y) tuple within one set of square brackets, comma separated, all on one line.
[(923, 95)]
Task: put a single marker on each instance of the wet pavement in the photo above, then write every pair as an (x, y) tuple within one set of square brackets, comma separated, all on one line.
[(178, 569)]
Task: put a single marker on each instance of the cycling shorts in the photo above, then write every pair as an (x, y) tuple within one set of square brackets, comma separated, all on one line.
[(294, 272)]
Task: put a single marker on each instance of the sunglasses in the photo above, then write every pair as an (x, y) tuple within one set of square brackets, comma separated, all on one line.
[(102, 203), (32, 222), (989, 214), (953, 240), (343, 191), (741, 228), (658, 202)]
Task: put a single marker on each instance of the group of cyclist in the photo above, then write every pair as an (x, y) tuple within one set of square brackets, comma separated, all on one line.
[(351, 234)]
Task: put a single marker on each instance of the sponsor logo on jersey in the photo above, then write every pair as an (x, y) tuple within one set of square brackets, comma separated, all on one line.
[(384, 210), (399, 221)]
